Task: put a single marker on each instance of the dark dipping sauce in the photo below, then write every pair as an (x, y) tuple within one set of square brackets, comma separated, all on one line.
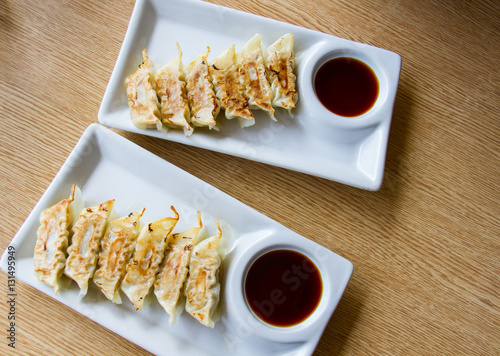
[(283, 287), (346, 86)]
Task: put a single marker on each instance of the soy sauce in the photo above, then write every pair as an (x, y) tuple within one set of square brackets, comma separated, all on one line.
[(346, 86), (283, 287)]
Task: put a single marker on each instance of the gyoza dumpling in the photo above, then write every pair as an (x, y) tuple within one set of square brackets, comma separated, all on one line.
[(52, 238), (170, 87), (174, 269), (142, 99), (228, 88), (149, 252), (280, 64), (253, 76), (117, 247), (202, 286), (88, 231), (202, 100)]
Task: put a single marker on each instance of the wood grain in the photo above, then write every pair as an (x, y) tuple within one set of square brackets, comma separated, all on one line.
[(425, 247)]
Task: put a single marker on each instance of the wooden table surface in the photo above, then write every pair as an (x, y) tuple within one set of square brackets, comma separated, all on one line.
[(425, 248)]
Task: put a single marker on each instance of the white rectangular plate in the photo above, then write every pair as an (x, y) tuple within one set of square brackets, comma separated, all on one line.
[(354, 156), (107, 166)]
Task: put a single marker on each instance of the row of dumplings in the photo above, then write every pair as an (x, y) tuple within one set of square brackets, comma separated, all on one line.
[(184, 97), (119, 254)]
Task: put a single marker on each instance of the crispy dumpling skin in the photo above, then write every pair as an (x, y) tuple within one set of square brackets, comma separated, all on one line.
[(228, 88), (174, 269), (148, 254), (201, 96), (52, 239), (280, 64), (253, 76), (117, 247), (171, 90), (202, 289), (88, 231), (142, 98)]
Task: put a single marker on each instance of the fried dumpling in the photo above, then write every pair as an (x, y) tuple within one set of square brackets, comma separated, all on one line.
[(88, 231), (171, 90), (149, 253), (228, 88), (174, 269), (202, 286), (117, 247), (142, 98), (52, 238), (201, 96), (253, 76), (280, 63)]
